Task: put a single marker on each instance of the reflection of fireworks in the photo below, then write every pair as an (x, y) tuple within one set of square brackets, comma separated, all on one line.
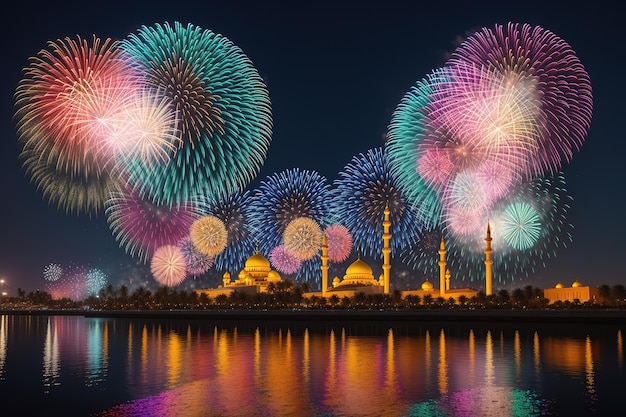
[(303, 237), (168, 265), (339, 242), (197, 262), (52, 272), (363, 190), (141, 226), (95, 280), (222, 105), (284, 260), (209, 235), (284, 197), (233, 211)]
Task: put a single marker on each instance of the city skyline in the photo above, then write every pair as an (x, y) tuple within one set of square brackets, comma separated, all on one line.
[(335, 75)]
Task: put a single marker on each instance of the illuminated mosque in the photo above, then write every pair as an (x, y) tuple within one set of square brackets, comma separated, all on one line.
[(577, 291), (257, 274)]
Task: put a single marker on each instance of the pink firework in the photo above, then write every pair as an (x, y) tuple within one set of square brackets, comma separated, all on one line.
[(168, 265), (540, 91), (72, 96), (339, 242), (140, 226), (284, 260), (197, 262), (436, 167)]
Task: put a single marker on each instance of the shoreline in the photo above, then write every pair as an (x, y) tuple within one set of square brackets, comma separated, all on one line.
[(581, 316)]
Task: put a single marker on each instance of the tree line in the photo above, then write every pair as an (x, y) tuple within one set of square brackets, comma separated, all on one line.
[(289, 295)]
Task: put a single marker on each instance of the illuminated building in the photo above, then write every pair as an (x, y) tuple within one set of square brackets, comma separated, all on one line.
[(254, 278), (444, 282), (577, 291)]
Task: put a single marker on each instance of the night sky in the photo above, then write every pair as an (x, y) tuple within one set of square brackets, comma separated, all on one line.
[(335, 72)]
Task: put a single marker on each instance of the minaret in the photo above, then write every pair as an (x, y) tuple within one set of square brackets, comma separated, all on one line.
[(386, 248), (442, 268), (324, 265), (488, 262)]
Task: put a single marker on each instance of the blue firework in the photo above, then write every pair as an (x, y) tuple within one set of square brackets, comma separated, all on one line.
[(222, 105), (233, 210), (283, 197), (361, 192)]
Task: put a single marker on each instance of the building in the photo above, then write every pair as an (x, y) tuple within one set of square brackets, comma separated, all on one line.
[(577, 291), (359, 278), (254, 278)]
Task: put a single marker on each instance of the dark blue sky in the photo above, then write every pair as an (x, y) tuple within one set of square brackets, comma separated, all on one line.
[(335, 73)]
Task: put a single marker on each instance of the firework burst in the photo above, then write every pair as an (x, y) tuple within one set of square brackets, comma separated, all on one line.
[(197, 262), (284, 197), (284, 260), (362, 191), (303, 237), (222, 107), (168, 265), (141, 226), (339, 242), (209, 235)]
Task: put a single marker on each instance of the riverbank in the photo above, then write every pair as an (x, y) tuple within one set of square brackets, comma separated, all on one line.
[(587, 316)]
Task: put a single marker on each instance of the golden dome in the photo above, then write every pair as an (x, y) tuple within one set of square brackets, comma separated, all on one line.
[(273, 276), (257, 261), (359, 267), (226, 275), (427, 286), (577, 284), (559, 285)]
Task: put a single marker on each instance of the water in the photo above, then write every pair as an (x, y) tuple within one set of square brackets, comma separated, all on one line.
[(72, 365)]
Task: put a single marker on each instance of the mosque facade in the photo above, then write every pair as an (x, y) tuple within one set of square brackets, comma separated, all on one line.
[(254, 278), (577, 291)]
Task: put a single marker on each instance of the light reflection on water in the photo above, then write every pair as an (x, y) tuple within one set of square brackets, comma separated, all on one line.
[(143, 367)]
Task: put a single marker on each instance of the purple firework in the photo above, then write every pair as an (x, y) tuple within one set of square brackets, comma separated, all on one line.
[(197, 262), (140, 226), (284, 260)]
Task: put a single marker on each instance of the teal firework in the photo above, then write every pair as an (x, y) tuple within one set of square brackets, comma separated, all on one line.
[(222, 106), (407, 131), (520, 225)]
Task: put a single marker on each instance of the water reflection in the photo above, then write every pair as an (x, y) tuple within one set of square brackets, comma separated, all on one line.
[(172, 368)]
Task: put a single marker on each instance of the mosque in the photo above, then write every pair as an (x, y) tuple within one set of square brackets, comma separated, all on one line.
[(577, 291), (257, 274)]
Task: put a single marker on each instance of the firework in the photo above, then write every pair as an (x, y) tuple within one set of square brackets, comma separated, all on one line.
[(520, 225), (339, 242), (197, 262), (363, 189), (209, 235), (234, 213), (141, 226), (96, 280), (303, 237), (521, 84), (284, 197), (168, 265), (407, 131), (67, 109), (52, 272), (284, 260), (222, 107), (71, 285)]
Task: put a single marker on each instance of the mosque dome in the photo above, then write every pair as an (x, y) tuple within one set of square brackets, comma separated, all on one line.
[(273, 276), (427, 286), (359, 270), (559, 285), (577, 284), (257, 262)]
